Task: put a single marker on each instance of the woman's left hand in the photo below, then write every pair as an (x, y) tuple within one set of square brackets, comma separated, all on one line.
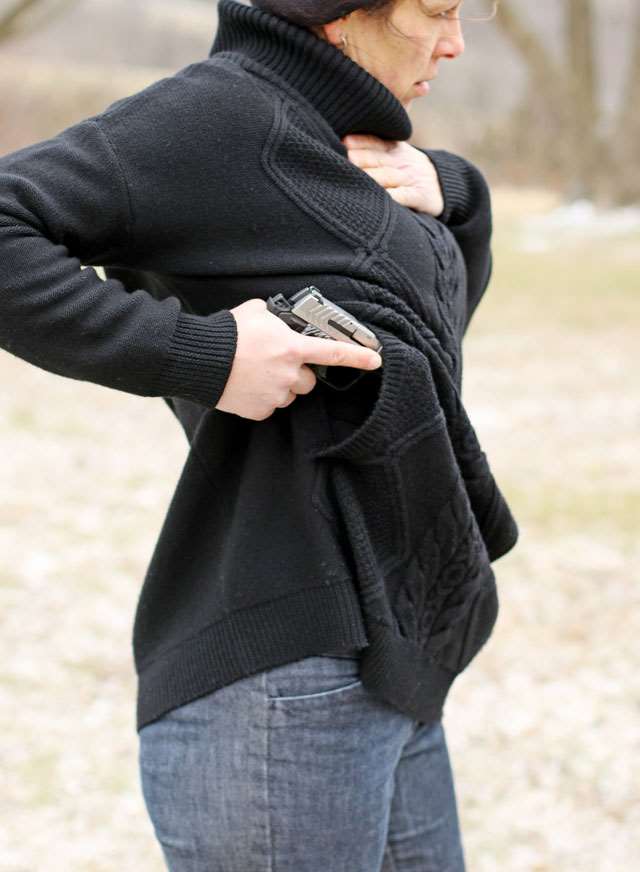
[(404, 171)]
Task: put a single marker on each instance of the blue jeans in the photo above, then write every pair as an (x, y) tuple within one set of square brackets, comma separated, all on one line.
[(299, 769)]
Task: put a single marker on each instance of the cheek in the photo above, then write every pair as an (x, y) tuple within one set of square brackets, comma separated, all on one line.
[(404, 64), (415, 63), (408, 66)]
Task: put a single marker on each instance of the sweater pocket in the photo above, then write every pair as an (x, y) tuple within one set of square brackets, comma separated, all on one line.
[(377, 489), (395, 488), (389, 443)]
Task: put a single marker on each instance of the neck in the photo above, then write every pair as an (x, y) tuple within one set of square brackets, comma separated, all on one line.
[(348, 97)]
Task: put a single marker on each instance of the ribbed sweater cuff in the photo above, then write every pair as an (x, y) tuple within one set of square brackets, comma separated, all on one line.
[(455, 180), (200, 357)]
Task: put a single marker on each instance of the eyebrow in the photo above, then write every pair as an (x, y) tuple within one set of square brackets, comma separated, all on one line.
[(440, 5)]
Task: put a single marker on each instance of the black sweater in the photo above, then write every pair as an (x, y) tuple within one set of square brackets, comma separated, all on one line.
[(365, 518)]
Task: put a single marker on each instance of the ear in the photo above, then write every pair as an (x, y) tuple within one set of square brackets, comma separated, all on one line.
[(333, 30)]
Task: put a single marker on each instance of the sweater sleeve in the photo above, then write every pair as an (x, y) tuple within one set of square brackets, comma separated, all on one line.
[(64, 203), (467, 214)]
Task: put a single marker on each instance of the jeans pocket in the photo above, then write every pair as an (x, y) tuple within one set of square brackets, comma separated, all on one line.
[(313, 679)]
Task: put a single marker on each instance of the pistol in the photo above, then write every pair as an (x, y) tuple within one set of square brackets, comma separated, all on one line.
[(309, 312)]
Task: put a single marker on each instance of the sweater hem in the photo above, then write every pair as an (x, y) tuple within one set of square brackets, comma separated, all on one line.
[(269, 634), (396, 671)]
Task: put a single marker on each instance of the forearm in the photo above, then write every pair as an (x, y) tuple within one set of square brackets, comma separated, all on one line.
[(63, 202)]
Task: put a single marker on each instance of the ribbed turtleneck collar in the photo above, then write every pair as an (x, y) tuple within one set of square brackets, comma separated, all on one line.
[(349, 98)]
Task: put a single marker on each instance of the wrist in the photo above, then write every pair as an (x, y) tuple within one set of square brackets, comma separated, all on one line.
[(455, 183), (434, 198)]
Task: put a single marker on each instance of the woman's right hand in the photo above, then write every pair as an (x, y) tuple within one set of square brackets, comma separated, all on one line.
[(269, 367)]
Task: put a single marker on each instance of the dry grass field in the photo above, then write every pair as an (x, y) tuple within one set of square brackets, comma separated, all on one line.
[(543, 728)]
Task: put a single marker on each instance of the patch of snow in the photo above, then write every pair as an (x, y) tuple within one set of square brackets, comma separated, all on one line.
[(578, 220)]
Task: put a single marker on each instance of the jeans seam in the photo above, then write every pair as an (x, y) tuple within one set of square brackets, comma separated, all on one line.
[(389, 856), (266, 772)]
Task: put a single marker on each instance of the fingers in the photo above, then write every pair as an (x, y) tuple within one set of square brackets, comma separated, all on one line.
[(330, 352), (305, 382), (388, 177), (368, 141), (396, 182), (367, 151), (287, 402), (367, 157), (405, 196)]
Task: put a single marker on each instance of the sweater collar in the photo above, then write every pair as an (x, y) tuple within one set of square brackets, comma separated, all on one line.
[(348, 97)]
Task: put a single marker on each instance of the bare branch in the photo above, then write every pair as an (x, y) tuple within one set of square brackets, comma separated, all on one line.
[(581, 54), (631, 98), (588, 151), (627, 130), (19, 19), (9, 20), (541, 65)]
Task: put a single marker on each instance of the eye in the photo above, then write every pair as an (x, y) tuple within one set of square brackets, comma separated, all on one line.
[(448, 14), (479, 10)]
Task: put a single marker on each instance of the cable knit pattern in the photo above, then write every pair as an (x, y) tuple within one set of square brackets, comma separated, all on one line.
[(336, 192)]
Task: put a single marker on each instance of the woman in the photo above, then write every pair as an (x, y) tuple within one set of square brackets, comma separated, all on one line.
[(283, 721)]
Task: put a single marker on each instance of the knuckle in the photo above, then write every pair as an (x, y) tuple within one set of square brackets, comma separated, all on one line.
[(335, 355), (295, 359), (292, 352)]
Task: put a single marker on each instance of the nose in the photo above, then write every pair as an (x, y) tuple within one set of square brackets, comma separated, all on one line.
[(451, 45)]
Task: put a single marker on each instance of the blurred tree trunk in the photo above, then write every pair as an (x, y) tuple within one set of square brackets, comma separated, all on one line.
[(627, 132), (632, 95), (539, 131), (18, 16), (582, 100), (10, 18), (542, 69), (559, 124)]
